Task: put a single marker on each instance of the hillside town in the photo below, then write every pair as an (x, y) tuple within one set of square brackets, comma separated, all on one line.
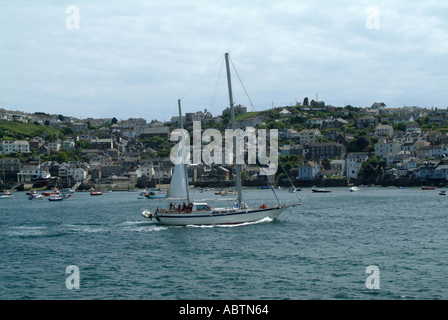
[(319, 144)]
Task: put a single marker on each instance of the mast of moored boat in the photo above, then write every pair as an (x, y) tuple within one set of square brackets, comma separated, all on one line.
[(183, 151), (232, 112)]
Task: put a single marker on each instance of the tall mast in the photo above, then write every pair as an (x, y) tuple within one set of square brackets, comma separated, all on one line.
[(183, 152), (232, 112)]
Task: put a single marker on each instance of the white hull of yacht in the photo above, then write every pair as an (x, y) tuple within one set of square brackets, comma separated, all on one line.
[(217, 216)]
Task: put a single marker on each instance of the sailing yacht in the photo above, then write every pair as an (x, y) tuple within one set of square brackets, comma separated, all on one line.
[(199, 213)]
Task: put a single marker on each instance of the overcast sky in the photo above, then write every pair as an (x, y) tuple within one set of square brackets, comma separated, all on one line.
[(136, 58)]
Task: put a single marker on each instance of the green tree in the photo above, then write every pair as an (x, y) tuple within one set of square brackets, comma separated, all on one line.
[(401, 126), (288, 166), (62, 157)]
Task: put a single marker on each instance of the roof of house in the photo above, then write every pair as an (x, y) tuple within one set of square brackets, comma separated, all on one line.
[(156, 130), (406, 116)]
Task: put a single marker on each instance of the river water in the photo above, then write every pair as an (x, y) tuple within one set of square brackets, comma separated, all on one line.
[(319, 250)]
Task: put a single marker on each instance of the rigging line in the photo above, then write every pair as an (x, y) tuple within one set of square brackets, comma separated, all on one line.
[(201, 79), (251, 104), (269, 182)]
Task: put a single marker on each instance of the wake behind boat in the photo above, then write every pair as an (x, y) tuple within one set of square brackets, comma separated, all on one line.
[(199, 213)]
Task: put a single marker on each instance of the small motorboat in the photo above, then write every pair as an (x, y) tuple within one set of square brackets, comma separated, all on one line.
[(96, 193), (35, 196), (442, 193), (5, 197), (5, 193), (56, 198), (31, 192), (428, 188), (156, 195), (321, 190), (227, 193), (354, 189)]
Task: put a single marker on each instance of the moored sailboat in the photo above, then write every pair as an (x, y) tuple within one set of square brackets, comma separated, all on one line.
[(199, 213)]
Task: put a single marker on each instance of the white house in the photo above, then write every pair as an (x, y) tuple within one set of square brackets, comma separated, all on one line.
[(311, 122), (384, 147), (28, 172), (383, 129), (406, 119), (354, 162), (147, 169), (54, 146), (309, 136), (378, 106), (72, 172), (284, 113), (339, 166), (8, 147), (288, 134)]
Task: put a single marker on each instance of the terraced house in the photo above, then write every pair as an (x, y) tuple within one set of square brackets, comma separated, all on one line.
[(329, 150), (8, 147)]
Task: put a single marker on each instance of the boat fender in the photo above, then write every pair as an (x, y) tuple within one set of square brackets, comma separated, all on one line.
[(162, 210)]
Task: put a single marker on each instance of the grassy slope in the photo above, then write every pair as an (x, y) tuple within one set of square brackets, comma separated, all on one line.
[(25, 129)]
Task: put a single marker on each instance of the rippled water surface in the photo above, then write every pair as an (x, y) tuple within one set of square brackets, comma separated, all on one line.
[(319, 250)]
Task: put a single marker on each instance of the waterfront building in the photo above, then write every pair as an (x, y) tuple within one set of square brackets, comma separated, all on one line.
[(354, 163)]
